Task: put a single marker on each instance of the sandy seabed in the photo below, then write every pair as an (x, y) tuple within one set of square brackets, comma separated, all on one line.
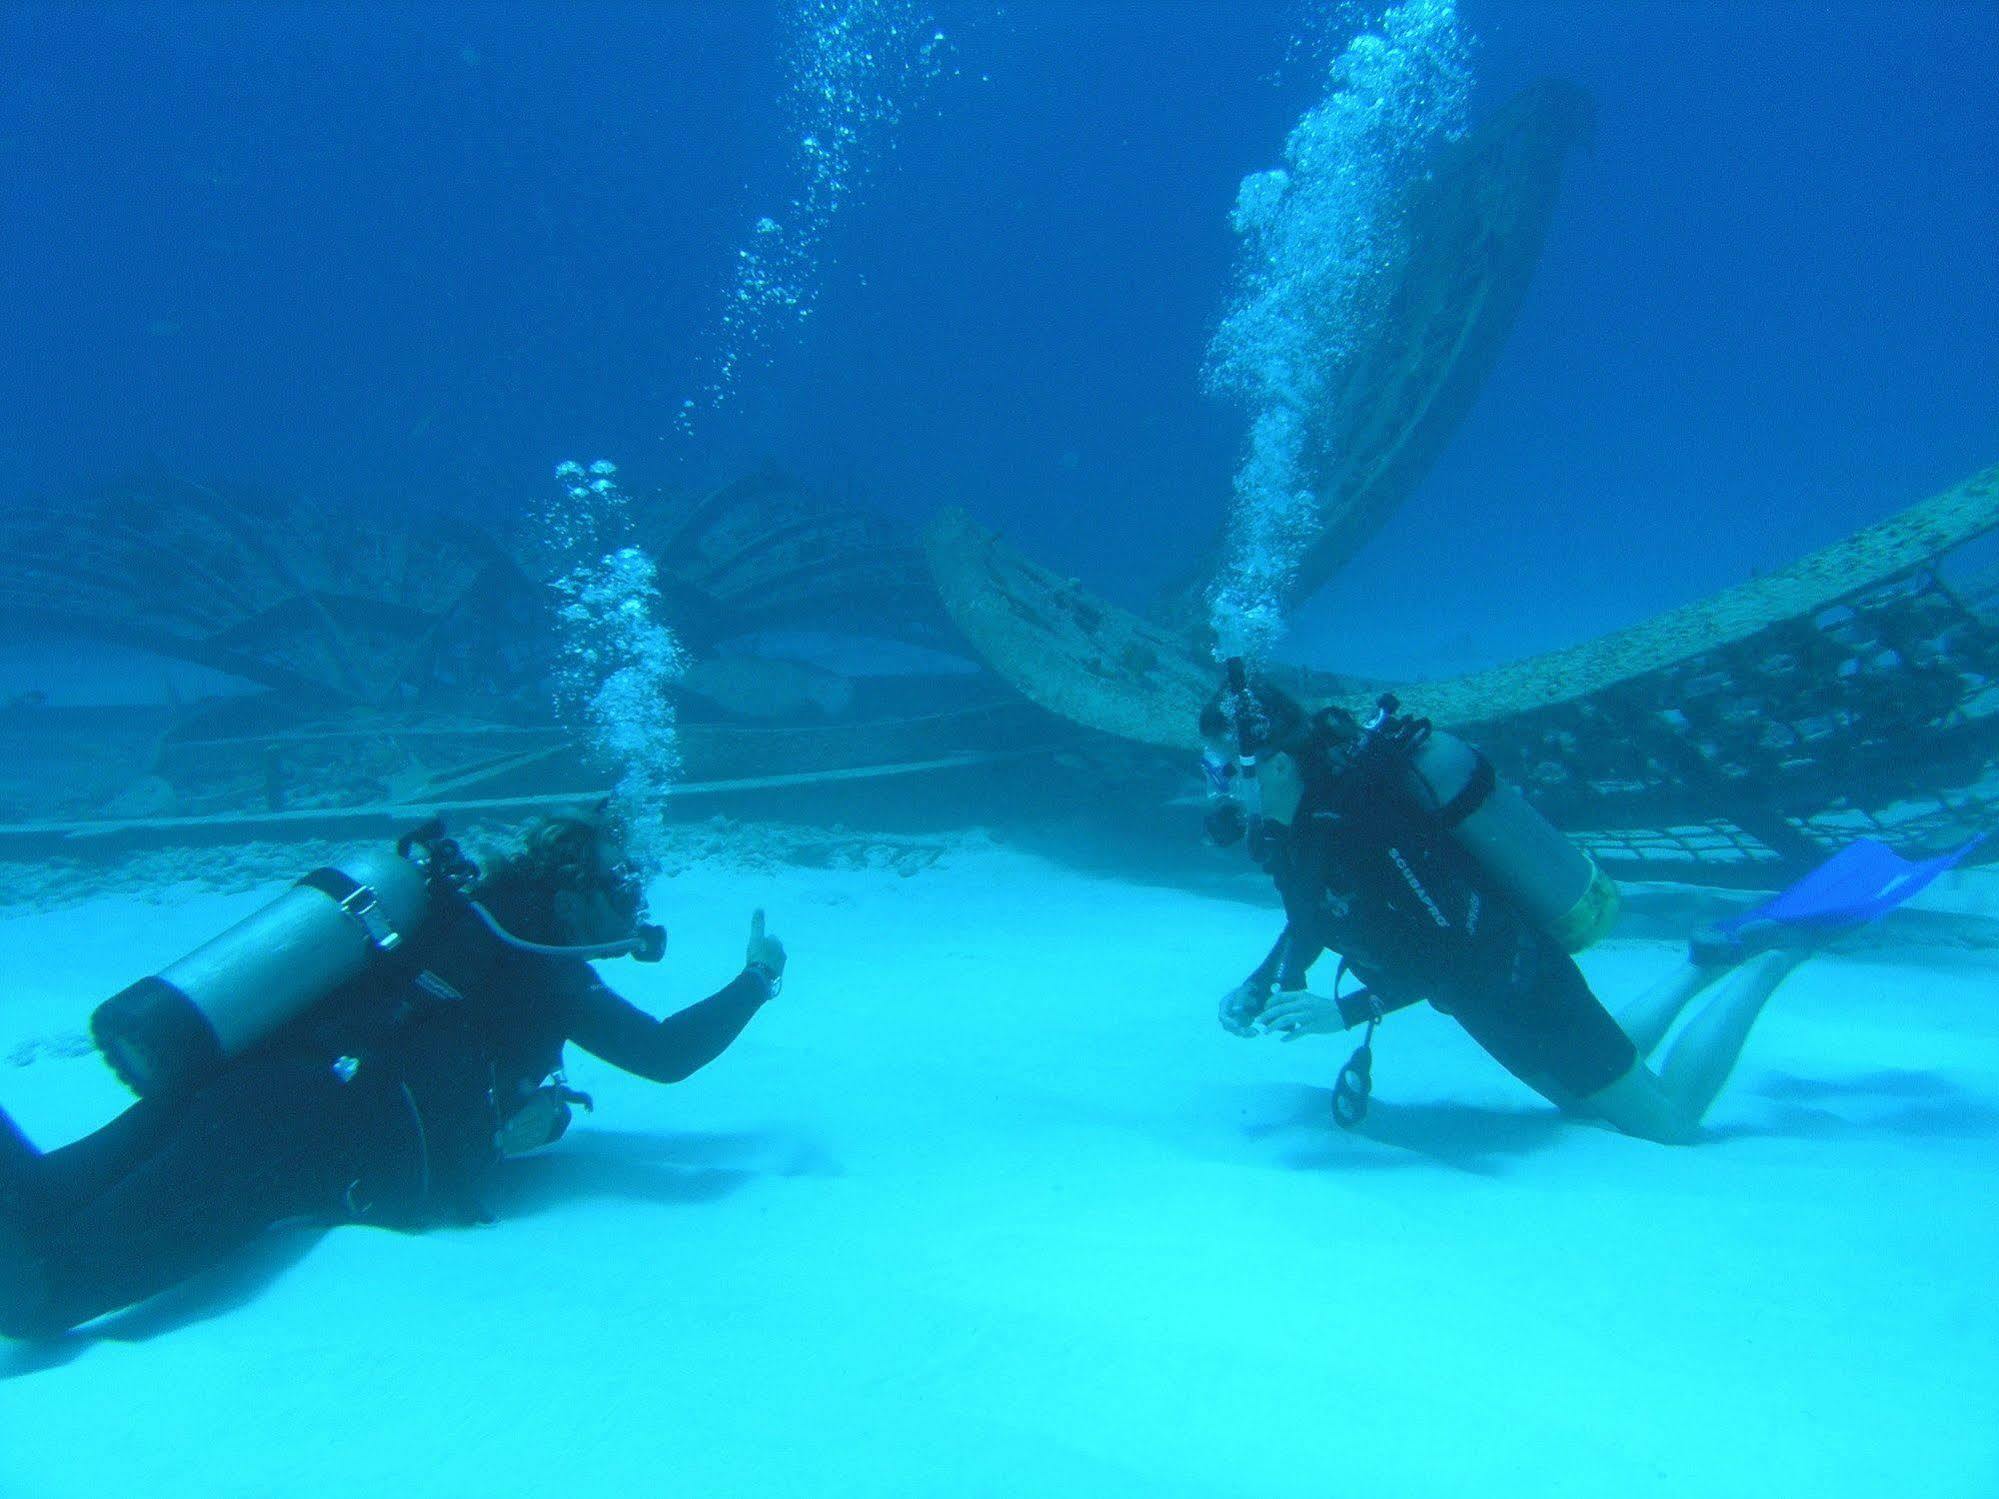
[(986, 1204)]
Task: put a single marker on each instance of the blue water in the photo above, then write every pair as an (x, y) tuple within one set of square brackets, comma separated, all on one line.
[(384, 253), (984, 1204)]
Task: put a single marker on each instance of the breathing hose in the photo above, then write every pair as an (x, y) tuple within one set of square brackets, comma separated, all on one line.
[(647, 943)]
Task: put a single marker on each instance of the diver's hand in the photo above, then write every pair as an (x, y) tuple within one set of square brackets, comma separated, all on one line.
[(1297, 1012), (1240, 1007), (764, 952)]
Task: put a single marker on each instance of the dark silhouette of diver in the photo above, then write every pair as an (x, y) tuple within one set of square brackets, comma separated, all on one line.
[(1367, 855), (388, 1101)]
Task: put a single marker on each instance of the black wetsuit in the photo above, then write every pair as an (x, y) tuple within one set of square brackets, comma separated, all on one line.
[(382, 1105), (1366, 872)]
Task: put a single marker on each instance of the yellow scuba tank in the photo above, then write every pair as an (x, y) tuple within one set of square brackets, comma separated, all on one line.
[(237, 988), (1556, 885)]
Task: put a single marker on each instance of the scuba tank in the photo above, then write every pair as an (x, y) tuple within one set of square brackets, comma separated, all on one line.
[(237, 989), (1556, 885), (186, 1021)]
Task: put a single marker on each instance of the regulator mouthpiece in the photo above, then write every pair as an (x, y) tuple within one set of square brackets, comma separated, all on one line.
[(649, 942)]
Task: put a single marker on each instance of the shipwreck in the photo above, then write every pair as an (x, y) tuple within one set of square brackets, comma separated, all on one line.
[(395, 668)]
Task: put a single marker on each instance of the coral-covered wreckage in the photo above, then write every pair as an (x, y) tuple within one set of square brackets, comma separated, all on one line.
[(401, 666)]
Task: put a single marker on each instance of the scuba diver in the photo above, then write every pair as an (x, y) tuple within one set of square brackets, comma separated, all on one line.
[(1395, 846), (366, 1049)]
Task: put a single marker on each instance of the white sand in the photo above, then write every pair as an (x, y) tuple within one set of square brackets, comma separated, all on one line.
[(987, 1205)]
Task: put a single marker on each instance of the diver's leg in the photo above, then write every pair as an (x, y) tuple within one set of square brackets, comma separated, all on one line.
[(1637, 1105), (265, 1142), (18, 1160), (1652, 1014), (20, 1270), (1707, 1050), (1540, 1020), (14, 1147), (1668, 1106), (20, 1274), (45, 1184)]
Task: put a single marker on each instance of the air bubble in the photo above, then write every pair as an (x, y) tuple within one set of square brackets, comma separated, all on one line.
[(617, 657), (1320, 245), (852, 67)]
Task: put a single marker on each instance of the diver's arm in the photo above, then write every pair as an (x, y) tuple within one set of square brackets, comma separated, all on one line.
[(1243, 1005), (1301, 1013), (664, 1051), (1290, 960), (1265, 975)]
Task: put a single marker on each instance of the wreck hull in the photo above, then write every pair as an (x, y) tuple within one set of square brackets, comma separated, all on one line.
[(1850, 692)]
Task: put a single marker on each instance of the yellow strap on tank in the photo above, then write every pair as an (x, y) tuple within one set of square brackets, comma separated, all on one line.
[(1591, 917)]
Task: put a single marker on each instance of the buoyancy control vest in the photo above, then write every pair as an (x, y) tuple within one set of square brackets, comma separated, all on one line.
[(1365, 872), (1553, 883)]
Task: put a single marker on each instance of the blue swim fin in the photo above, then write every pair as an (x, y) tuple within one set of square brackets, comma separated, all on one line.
[(1862, 882)]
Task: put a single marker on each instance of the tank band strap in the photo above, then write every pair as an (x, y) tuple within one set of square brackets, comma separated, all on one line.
[(1484, 781), (331, 882), (357, 900)]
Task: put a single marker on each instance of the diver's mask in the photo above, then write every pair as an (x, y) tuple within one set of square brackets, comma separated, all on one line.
[(620, 884), (1233, 803), (623, 888), (1226, 819), (1225, 822)]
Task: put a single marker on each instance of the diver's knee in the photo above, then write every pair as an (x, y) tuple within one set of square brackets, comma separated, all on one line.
[(1635, 1105)]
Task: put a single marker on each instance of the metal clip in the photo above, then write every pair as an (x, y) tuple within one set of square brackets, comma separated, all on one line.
[(364, 908)]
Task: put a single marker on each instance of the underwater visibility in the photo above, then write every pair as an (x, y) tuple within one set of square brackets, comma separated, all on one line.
[(1460, 533)]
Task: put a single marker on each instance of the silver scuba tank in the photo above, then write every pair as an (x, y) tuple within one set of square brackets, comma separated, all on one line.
[(237, 988), (1556, 885)]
